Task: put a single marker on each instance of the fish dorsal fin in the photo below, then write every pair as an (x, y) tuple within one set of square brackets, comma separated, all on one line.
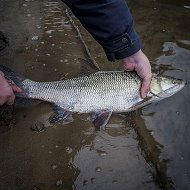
[(87, 67)]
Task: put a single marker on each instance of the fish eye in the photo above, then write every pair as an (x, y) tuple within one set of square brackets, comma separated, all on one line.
[(174, 82)]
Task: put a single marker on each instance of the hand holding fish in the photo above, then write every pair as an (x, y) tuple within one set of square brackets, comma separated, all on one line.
[(7, 90), (140, 63)]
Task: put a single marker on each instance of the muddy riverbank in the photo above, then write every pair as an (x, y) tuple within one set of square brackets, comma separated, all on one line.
[(146, 149)]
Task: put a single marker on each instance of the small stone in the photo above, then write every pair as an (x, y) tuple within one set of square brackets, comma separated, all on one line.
[(44, 65), (98, 169), (38, 26), (85, 182), (69, 150), (34, 38), (103, 154), (36, 188), (59, 182), (49, 31), (28, 15), (38, 127), (50, 152), (54, 166)]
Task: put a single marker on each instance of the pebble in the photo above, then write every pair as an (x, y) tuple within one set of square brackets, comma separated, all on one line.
[(49, 31), (85, 182), (54, 166), (38, 127), (187, 7), (98, 169), (103, 154), (34, 38), (69, 150), (59, 182), (38, 26)]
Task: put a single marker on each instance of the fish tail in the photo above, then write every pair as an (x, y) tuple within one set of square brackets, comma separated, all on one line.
[(15, 77)]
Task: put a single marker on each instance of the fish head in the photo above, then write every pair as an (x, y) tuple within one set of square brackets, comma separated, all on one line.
[(165, 86)]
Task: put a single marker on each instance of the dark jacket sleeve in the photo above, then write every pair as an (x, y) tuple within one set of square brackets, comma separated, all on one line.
[(110, 23)]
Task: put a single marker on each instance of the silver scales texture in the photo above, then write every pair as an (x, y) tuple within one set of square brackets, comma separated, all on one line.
[(108, 90)]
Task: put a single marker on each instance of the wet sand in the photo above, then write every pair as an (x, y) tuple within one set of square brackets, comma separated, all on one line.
[(145, 149)]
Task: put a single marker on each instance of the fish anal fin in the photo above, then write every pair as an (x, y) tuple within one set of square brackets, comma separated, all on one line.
[(59, 113), (101, 118)]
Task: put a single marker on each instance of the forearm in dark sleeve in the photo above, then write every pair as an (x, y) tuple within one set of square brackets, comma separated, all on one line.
[(110, 23)]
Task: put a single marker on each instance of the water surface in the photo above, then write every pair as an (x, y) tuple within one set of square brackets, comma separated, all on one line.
[(146, 149)]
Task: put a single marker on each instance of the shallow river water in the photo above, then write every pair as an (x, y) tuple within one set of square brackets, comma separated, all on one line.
[(145, 149)]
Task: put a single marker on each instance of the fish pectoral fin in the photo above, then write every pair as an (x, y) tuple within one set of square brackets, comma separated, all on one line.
[(59, 114), (101, 118), (142, 103)]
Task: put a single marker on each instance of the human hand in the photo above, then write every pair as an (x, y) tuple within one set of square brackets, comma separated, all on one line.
[(7, 90), (140, 63)]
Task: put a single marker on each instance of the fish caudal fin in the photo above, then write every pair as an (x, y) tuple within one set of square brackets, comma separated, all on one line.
[(101, 118), (11, 75)]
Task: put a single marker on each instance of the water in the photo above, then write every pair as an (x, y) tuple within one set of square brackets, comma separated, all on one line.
[(146, 149)]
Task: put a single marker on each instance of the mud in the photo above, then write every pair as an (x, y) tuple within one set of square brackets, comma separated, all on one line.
[(145, 149)]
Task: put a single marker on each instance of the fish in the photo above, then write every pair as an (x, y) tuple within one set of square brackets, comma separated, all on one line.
[(100, 93)]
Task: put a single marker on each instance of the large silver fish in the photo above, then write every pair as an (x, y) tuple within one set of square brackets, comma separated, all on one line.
[(100, 93)]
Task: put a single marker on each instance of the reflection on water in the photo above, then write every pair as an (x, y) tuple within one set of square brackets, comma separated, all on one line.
[(146, 149)]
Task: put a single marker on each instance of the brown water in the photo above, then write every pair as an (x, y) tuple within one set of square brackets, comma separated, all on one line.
[(146, 149)]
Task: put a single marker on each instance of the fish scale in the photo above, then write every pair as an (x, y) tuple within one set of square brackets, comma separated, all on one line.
[(101, 93), (113, 90)]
